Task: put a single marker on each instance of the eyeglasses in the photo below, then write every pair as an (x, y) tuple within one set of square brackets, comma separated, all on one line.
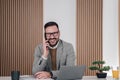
[(53, 33)]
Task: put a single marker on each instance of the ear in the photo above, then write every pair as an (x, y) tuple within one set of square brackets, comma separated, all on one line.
[(59, 33)]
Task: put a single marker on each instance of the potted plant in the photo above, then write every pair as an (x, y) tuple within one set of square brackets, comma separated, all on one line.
[(98, 65)]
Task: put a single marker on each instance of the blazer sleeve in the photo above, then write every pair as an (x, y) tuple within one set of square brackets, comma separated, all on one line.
[(70, 61), (39, 63)]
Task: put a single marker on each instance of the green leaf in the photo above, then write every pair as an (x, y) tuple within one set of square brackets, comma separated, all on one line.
[(97, 65), (93, 68), (98, 62), (106, 68)]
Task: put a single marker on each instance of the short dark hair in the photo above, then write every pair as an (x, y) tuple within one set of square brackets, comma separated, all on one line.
[(51, 24)]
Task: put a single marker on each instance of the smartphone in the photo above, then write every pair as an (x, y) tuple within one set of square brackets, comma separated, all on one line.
[(46, 39), (45, 36)]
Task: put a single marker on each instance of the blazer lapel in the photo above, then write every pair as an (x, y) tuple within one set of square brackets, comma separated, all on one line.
[(59, 53)]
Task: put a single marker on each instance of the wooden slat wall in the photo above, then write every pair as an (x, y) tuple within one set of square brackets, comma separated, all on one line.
[(119, 28), (89, 32), (21, 23)]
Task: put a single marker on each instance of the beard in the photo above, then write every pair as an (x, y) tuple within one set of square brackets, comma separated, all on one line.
[(53, 45)]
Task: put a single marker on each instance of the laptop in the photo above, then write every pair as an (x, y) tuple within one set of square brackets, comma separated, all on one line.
[(71, 72)]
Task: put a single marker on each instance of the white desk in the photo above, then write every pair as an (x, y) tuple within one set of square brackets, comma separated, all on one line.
[(95, 78), (84, 78), (25, 77)]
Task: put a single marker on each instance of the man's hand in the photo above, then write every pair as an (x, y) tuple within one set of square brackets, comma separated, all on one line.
[(45, 48), (42, 75)]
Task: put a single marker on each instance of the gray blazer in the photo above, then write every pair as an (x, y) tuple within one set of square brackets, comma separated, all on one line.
[(65, 57)]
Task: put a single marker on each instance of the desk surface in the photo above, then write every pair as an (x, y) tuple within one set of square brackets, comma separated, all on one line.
[(24, 77), (95, 78), (84, 78)]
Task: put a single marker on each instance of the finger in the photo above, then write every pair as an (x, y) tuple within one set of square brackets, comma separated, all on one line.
[(46, 41), (43, 40), (37, 76), (38, 73), (41, 77), (47, 44)]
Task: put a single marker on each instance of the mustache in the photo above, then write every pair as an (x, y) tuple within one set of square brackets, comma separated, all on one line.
[(52, 39)]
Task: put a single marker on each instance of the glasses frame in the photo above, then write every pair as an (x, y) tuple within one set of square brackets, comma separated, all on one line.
[(53, 34)]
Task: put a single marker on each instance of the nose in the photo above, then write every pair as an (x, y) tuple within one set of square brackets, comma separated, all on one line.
[(51, 36)]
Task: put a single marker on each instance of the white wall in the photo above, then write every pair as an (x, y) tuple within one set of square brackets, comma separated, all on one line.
[(64, 13), (110, 32)]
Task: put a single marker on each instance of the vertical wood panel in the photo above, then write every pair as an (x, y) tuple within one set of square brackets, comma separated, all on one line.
[(119, 27), (21, 23), (0, 34), (89, 32)]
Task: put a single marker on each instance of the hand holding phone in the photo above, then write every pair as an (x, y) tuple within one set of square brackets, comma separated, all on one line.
[(45, 48)]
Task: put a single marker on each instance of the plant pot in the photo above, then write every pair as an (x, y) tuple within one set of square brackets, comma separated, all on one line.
[(101, 75)]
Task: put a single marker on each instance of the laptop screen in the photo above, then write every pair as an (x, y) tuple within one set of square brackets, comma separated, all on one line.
[(71, 72)]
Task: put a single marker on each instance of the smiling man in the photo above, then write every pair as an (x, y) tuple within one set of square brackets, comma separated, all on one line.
[(52, 53)]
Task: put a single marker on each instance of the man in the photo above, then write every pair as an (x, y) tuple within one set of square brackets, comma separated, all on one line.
[(52, 54)]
